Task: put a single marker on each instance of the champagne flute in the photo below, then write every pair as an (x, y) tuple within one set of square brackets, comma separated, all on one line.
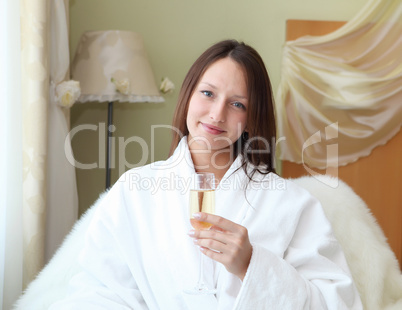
[(202, 199)]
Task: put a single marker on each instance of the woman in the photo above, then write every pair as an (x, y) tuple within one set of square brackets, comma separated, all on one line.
[(270, 246)]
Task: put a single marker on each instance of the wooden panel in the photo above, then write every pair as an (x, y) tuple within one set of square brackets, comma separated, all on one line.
[(296, 28), (377, 178)]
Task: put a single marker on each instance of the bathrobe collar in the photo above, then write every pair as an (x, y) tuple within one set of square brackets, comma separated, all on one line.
[(182, 153)]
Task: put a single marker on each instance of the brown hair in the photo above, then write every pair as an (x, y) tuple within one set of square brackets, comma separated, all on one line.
[(257, 144)]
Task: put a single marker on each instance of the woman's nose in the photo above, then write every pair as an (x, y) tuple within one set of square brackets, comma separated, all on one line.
[(217, 112)]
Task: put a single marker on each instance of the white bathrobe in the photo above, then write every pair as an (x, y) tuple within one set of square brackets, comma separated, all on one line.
[(138, 254)]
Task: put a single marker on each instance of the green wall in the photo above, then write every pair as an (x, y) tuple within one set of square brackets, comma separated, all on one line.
[(175, 32)]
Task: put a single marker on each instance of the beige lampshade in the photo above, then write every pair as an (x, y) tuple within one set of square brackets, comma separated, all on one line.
[(103, 56)]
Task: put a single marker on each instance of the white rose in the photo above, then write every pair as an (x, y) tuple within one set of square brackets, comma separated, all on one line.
[(122, 86), (167, 86), (67, 93)]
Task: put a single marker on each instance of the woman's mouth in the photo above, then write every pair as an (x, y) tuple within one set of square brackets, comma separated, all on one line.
[(212, 129)]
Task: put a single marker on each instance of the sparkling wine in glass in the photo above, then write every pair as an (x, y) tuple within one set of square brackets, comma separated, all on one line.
[(202, 199)]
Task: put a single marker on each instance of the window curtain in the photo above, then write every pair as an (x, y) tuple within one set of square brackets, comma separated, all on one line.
[(10, 155), (34, 91), (62, 196), (344, 88), (38, 195)]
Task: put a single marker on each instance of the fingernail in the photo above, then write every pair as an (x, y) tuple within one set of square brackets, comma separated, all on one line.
[(191, 233), (196, 216), (195, 241)]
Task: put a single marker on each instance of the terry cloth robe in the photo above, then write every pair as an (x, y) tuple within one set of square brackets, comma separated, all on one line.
[(138, 254)]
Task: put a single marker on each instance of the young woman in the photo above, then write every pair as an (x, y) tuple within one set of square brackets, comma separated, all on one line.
[(270, 246)]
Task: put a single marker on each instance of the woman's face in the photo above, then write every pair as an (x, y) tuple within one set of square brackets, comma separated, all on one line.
[(217, 112)]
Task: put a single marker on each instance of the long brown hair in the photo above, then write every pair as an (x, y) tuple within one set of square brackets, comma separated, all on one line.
[(258, 143)]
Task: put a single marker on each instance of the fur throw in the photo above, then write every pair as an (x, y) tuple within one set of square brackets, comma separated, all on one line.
[(50, 284), (374, 267)]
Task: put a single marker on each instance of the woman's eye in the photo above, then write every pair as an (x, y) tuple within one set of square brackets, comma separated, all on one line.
[(238, 104), (207, 93)]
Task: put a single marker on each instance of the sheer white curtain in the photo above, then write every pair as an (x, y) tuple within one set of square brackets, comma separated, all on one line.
[(348, 82), (37, 184), (62, 196), (11, 254)]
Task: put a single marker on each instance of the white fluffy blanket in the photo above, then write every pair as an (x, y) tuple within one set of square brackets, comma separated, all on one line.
[(373, 264), (51, 283)]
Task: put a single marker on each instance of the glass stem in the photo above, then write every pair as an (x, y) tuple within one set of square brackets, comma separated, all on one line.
[(201, 284)]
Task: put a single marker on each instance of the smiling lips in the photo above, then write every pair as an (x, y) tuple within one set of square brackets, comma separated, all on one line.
[(212, 129)]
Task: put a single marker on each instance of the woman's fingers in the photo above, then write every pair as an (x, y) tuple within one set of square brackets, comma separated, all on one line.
[(217, 235), (226, 242), (211, 244), (216, 220)]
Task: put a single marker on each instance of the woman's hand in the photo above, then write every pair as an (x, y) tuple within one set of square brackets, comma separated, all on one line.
[(226, 242)]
